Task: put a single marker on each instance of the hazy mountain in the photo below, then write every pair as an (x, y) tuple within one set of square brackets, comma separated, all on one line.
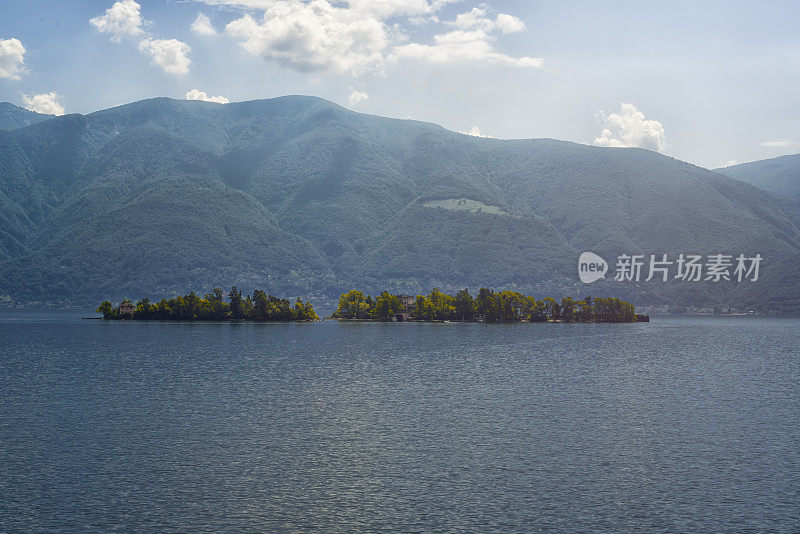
[(301, 196), (13, 117), (779, 175)]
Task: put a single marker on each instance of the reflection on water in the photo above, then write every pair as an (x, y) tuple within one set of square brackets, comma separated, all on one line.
[(689, 424)]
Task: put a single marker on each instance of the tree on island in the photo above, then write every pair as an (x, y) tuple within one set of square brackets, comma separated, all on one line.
[(386, 306), (484, 305), (569, 310), (236, 306), (352, 305), (106, 308), (190, 307), (538, 312), (464, 304), (488, 306)]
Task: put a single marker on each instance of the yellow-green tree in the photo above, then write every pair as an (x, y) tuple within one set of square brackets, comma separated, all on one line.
[(106, 308), (464, 304), (303, 311), (236, 304), (569, 310), (538, 313), (386, 306), (485, 305), (585, 310), (552, 307), (353, 305), (442, 305), (423, 311)]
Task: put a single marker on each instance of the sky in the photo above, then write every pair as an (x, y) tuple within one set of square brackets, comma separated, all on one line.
[(712, 83)]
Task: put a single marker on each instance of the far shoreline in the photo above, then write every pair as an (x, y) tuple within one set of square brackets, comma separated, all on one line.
[(644, 319)]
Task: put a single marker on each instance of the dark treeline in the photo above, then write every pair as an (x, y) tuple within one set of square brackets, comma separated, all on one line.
[(190, 307), (487, 306)]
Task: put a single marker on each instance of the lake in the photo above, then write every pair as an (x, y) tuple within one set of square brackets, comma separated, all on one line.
[(690, 424)]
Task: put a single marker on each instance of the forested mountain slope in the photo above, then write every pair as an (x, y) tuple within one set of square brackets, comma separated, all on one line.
[(304, 197), (779, 175), (13, 117)]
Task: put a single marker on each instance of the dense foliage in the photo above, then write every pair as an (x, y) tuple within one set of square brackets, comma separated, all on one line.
[(190, 307), (487, 306)]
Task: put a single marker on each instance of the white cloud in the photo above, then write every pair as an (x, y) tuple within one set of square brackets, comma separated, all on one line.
[(463, 45), (356, 97), (478, 19), (243, 4), (509, 23), (202, 25), (476, 132), (12, 58), (630, 128), (393, 8), (169, 54), (471, 41), (419, 20), (313, 36), (358, 36), (475, 19), (197, 94), (48, 103), (778, 143), (123, 19), (376, 8)]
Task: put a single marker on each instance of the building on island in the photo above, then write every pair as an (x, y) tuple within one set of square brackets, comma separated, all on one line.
[(126, 309), (407, 300), (408, 304)]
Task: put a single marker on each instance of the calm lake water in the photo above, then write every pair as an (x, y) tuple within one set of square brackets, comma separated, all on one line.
[(692, 424)]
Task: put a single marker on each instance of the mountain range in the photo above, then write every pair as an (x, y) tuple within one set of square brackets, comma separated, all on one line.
[(302, 197), (13, 117), (779, 175)]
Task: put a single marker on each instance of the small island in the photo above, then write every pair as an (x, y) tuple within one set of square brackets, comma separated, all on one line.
[(261, 307), (487, 307)]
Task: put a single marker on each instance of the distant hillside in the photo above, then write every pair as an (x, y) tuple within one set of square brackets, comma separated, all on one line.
[(304, 197), (13, 117), (779, 175)]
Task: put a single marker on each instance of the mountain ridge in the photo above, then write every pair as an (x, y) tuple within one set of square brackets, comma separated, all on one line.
[(302, 196), (13, 116), (780, 175)]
